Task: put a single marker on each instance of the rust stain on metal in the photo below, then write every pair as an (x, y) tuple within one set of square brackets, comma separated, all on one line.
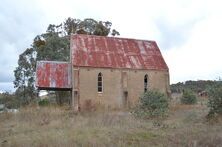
[(112, 52), (51, 74), (100, 52)]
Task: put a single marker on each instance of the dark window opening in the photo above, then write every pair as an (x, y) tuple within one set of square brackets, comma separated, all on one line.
[(145, 82), (100, 82)]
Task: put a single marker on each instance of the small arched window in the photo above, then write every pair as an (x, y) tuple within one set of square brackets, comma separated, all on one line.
[(145, 83), (100, 82)]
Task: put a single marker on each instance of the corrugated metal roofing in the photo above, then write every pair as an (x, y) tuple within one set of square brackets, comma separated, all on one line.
[(53, 74), (112, 52)]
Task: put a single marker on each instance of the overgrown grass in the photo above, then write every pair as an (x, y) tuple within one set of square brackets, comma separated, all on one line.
[(59, 126)]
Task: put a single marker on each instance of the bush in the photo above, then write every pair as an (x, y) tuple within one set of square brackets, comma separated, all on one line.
[(215, 100), (188, 97), (43, 102), (9, 100), (152, 104)]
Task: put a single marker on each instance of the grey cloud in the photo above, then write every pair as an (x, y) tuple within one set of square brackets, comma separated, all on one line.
[(20, 22), (176, 35), (6, 86), (5, 77)]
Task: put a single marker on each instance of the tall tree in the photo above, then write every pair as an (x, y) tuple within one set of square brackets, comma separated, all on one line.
[(53, 45), (89, 26), (25, 75)]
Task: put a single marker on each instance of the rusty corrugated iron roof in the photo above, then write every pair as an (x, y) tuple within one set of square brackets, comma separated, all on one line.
[(53, 74), (112, 52)]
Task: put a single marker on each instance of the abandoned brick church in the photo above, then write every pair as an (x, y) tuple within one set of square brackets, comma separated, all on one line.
[(108, 71)]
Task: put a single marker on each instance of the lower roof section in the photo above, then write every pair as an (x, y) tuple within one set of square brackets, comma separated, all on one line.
[(53, 75), (54, 89)]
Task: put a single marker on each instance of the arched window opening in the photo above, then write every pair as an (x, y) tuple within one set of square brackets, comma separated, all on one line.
[(145, 82), (100, 82)]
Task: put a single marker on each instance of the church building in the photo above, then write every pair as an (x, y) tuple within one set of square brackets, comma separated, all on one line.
[(106, 71)]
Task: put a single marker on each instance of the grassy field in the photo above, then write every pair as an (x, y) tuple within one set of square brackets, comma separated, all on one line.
[(186, 125)]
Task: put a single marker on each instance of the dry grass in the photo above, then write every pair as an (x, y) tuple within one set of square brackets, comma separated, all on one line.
[(56, 126)]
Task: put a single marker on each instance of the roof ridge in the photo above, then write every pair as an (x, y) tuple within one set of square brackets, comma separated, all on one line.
[(122, 38)]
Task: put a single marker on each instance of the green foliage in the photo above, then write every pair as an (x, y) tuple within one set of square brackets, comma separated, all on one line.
[(55, 48), (25, 75), (188, 97), (25, 95), (152, 104), (195, 86), (44, 102), (215, 100), (89, 26), (9, 100)]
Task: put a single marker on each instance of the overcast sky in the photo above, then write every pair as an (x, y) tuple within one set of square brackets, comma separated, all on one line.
[(188, 32)]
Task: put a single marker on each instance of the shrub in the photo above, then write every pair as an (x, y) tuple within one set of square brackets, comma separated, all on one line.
[(152, 104), (215, 100), (188, 97), (43, 102), (9, 100)]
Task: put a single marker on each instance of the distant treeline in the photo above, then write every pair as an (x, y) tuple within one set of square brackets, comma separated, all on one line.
[(195, 86)]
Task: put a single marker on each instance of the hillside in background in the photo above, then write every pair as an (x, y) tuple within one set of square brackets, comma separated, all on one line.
[(195, 86)]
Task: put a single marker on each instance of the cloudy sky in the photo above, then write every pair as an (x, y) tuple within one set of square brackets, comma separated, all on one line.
[(188, 32)]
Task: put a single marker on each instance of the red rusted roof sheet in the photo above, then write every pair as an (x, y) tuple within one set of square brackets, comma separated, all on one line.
[(112, 52), (53, 74)]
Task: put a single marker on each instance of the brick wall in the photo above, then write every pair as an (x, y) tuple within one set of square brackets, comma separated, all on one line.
[(121, 87)]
